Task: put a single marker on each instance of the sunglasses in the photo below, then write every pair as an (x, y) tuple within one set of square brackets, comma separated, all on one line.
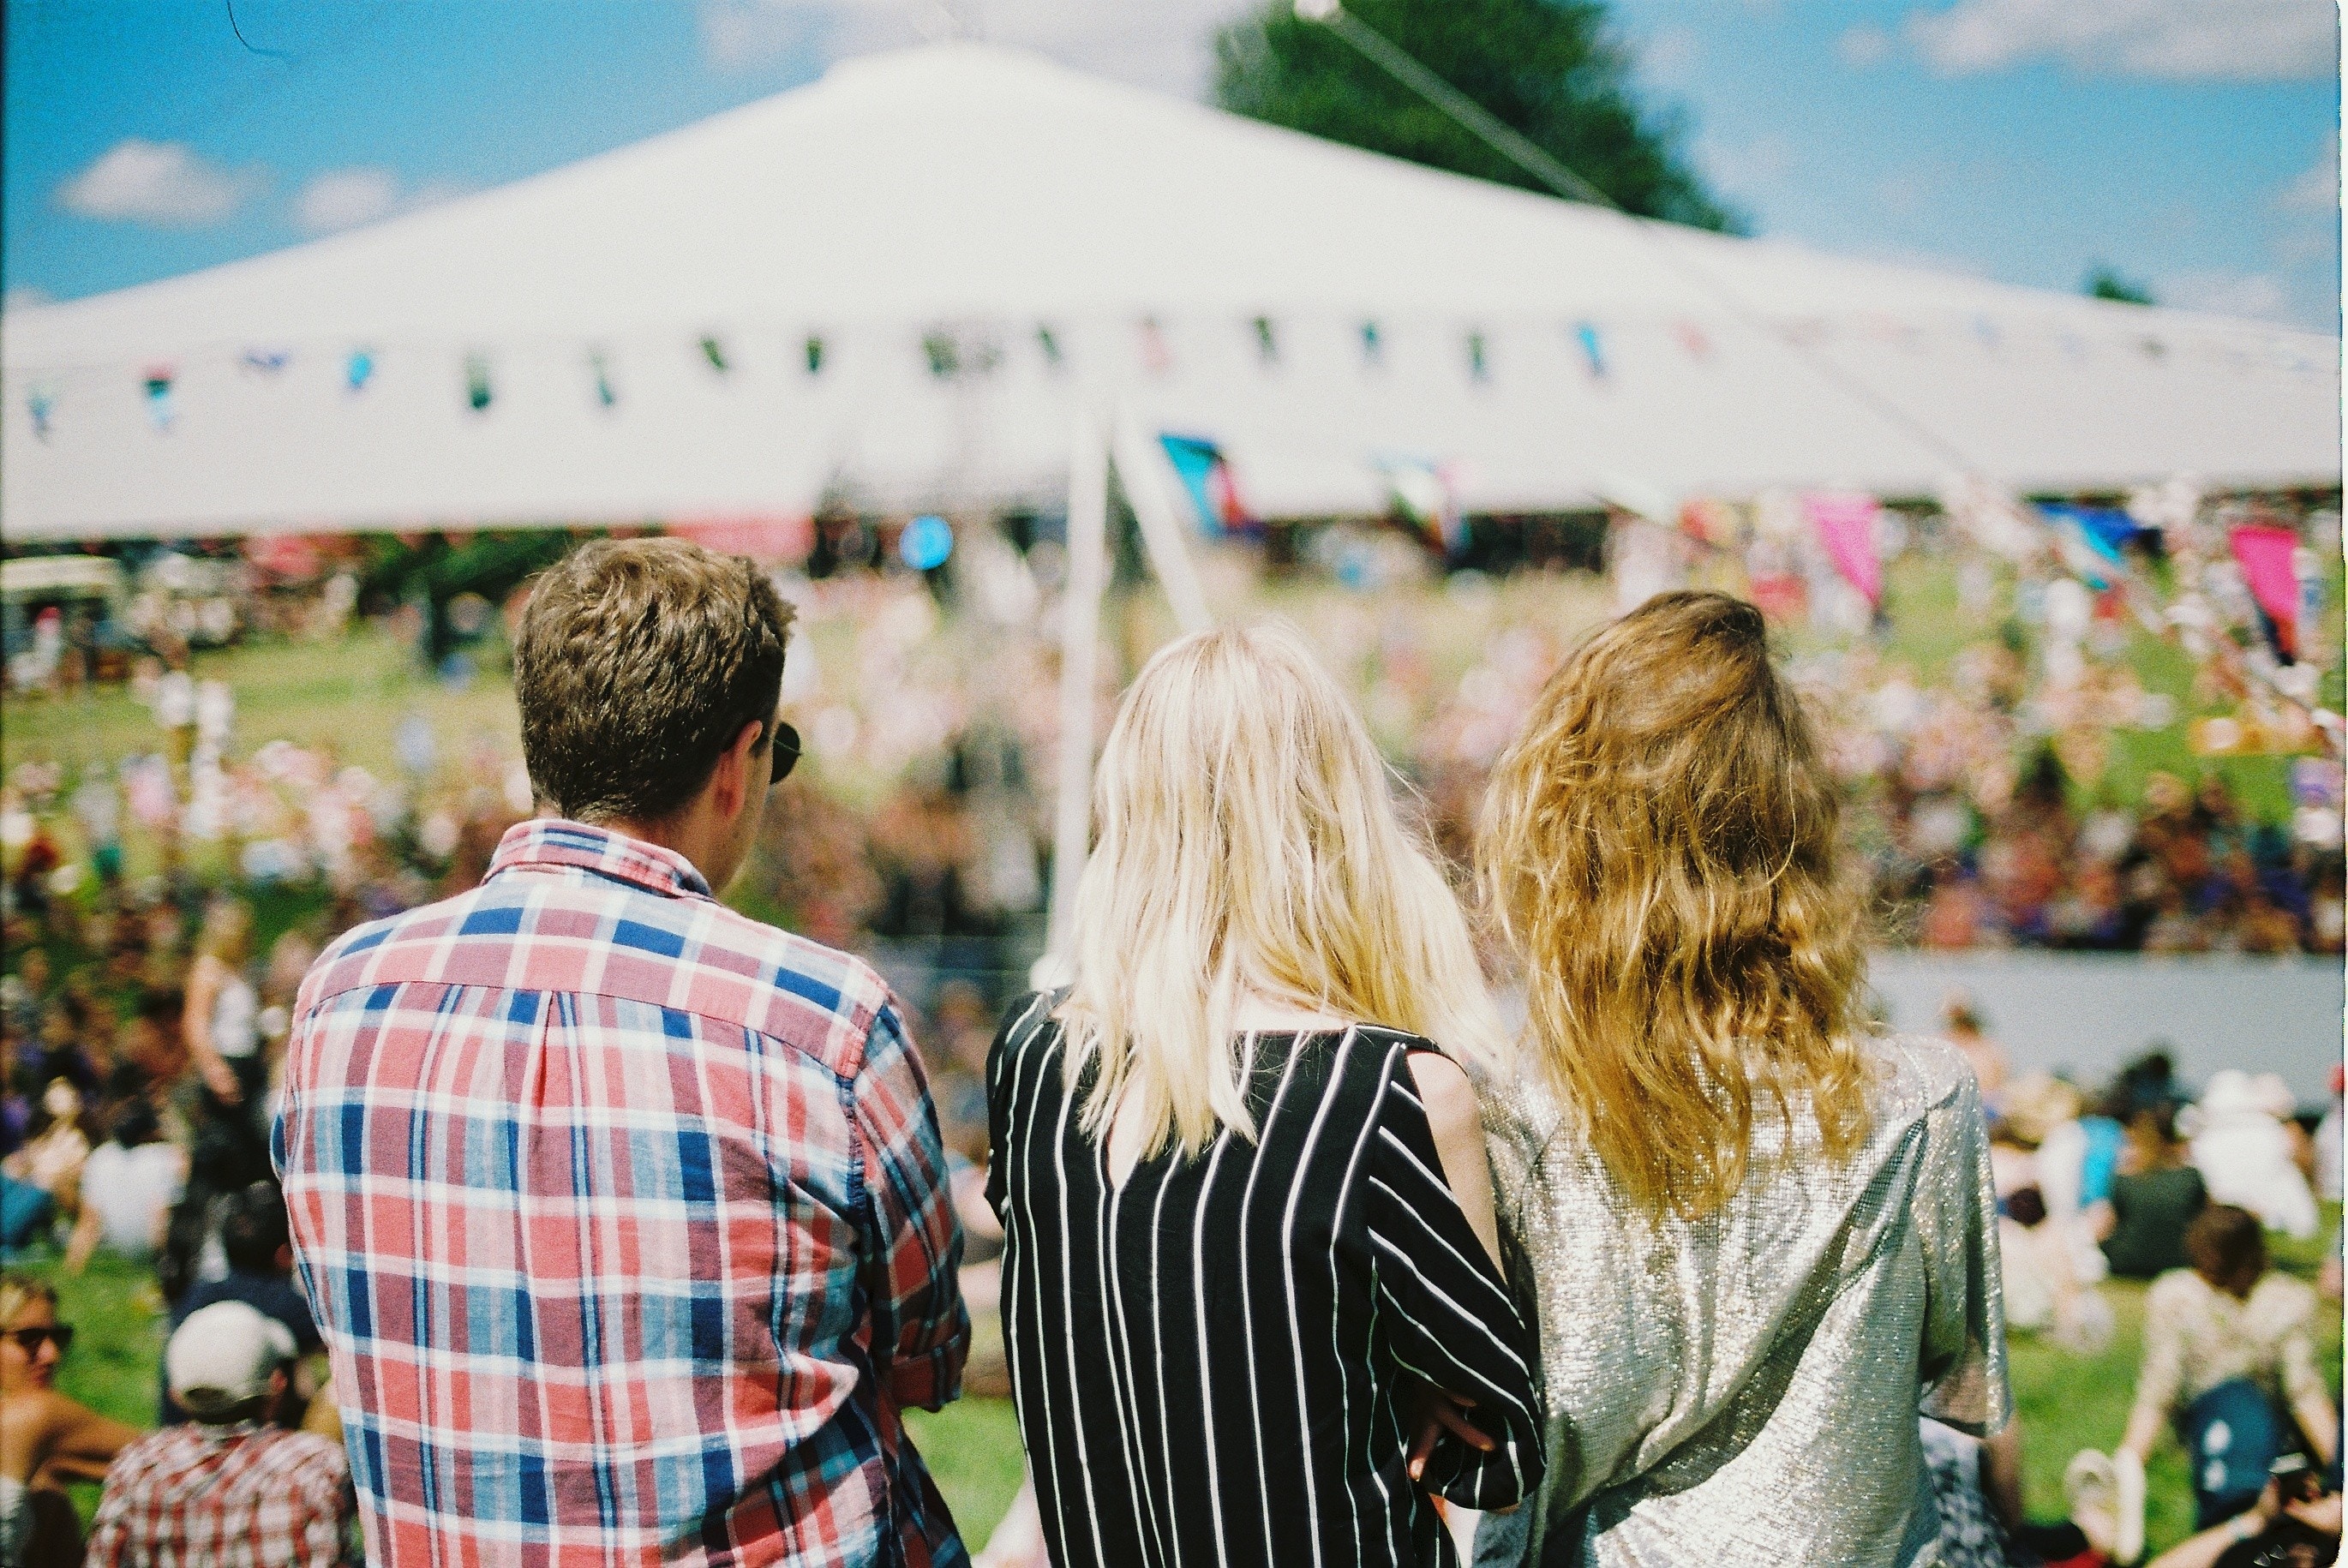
[(29, 1340), (786, 752)]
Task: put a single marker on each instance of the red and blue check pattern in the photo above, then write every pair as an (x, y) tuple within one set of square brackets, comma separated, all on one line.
[(626, 1223)]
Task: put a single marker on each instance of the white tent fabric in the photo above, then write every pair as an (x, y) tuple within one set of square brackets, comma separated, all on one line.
[(968, 196)]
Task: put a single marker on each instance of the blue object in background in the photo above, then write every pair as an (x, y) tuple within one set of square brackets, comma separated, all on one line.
[(926, 543), (358, 369)]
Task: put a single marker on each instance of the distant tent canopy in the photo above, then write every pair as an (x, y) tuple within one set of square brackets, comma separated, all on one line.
[(904, 283)]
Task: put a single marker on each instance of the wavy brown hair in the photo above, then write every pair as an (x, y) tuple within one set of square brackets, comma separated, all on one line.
[(1658, 849)]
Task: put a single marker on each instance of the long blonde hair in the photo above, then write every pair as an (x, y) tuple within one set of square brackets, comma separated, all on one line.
[(1247, 839), (1659, 848)]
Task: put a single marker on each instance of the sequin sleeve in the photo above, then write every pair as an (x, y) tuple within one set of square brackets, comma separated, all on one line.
[(1963, 1364)]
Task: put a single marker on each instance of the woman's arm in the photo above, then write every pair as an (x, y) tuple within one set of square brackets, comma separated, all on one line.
[(196, 1029), (1458, 1129), (82, 1443)]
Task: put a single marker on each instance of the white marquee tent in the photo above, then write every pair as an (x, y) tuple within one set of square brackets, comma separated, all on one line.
[(1057, 244)]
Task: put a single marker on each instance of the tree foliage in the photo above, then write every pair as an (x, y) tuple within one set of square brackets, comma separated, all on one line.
[(2106, 283), (1548, 70)]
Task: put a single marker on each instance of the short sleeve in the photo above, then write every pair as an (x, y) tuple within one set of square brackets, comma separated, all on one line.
[(1965, 1370), (2168, 1307), (1448, 1315)]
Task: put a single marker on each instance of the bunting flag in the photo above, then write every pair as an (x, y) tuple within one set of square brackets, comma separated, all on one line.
[(1594, 350), (2264, 553), (267, 361), (713, 351), (159, 411), (1206, 475), (2090, 539), (1846, 525), (1425, 493), (1480, 365), (1155, 357), (1267, 340), (1373, 345), (600, 366), (38, 403), (358, 369), (1049, 342), (479, 392), (1693, 339), (944, 355), (814, 349)]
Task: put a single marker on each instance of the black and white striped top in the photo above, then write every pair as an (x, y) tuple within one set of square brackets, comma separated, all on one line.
[(1208, 1358)]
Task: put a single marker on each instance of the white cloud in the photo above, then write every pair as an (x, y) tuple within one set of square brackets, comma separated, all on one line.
[(1165, 46), (1668, 56), (2260, 294), (2237, 40), (2318, 190), (1763, 161), (1863, 45), (346, 198), (165, 183), (743, 35)]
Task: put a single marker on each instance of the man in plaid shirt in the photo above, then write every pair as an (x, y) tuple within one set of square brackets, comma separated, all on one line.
[(626, 1218), (229, 1489)]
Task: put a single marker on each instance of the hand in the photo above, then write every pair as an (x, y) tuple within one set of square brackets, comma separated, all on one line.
[(2317, 1514), (1433, 1412), (221, 1079)]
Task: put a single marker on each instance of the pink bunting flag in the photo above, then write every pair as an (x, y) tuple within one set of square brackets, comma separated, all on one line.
[(2263, 552), (1846, 525)]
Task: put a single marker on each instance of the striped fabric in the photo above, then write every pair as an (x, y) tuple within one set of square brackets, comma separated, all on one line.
[(1208, 1358), (244, 1496), (625, 1220)]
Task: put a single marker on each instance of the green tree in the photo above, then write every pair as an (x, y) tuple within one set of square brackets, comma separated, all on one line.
[(1547, 70), (2106, 283)]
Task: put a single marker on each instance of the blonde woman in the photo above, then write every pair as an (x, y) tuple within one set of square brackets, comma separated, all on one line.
[(1248, 1239), (46, 1439), (1761, 1238)]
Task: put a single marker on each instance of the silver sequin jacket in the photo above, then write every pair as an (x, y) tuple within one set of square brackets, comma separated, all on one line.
[(1744, 1390)]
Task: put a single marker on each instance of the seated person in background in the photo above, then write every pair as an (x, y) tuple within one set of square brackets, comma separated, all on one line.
[(129, 1186), (229, 1487), (2155, 1196), (257, 1240), (2229, 1347), (51, 1159), (2296, 1524), (46, 1439), (2247, 1154)]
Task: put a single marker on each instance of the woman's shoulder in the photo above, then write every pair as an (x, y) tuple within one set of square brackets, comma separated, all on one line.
[(1914, 1075), (1028, 1022)]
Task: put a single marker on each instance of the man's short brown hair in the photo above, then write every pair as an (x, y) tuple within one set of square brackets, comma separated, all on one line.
[(639, 662)]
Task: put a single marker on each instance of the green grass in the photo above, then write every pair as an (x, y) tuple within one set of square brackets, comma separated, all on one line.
[(2066, 1402)]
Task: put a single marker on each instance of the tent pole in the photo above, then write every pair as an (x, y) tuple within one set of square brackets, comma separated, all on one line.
[(1080, 615), (1161, 526)]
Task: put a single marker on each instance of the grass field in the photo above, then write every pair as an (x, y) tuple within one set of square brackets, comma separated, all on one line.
[(2066, 1402)]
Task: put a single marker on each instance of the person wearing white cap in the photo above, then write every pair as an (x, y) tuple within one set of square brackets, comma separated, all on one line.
[(229, 1489)]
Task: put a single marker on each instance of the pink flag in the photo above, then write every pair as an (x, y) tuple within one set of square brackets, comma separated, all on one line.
[(1846, 525), (2264, 555)]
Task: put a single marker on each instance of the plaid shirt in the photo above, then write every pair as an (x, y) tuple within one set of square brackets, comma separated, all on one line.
[(244, 1496), (626, 1223)]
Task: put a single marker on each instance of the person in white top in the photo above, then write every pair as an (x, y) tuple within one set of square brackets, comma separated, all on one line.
[(2246, 1154), (129, 1186)]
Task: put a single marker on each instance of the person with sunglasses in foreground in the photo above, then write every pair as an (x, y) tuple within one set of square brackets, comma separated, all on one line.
[(626, 1218), (46, 1439)]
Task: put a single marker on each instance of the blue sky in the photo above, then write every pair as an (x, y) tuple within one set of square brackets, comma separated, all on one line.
[(2191, 143)]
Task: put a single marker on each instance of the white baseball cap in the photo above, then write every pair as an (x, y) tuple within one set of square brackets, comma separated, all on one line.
[(222, 1356)]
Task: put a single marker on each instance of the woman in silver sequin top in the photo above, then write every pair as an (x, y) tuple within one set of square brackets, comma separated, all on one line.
[(1758, 1238)]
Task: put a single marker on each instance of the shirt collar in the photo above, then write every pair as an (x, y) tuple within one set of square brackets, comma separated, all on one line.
[(551, 842)]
